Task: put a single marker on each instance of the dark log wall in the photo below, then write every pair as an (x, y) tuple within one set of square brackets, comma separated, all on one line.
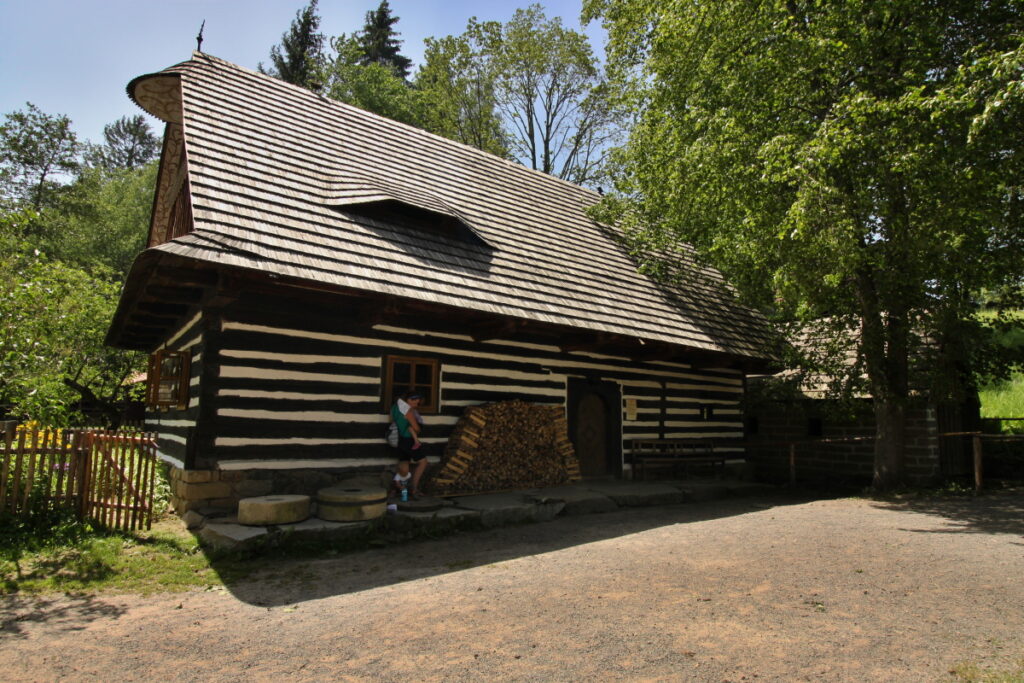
[(175, 428), (290, 385)]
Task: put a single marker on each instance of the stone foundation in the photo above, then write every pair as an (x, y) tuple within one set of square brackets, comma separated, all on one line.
[(204, 490)]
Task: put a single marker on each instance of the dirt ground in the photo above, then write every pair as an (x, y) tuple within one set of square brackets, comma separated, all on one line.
[(753, 589)]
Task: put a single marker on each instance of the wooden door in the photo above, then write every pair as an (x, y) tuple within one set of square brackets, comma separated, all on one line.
[(594, 419), (592, 436)]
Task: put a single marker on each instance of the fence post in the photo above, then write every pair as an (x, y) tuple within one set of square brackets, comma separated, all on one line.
[(977, 464), (85, 481)]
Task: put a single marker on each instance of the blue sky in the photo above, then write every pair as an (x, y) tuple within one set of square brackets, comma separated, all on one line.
[(75, 57)]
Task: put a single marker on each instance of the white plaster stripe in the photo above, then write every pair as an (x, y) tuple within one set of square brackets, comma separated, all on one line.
[(425, 348), (701, 423), (302, 441), (700, 435), (639, 423), (295, 396), (172, 437), (462, 337), (421, 333), (245, 372), (324, 416), (703, 401), (169, 423), (640, 383), (170, 460), (696, 411), (506, 388), (704, 387), (187, 327), (302, 415), (464, 404), (307, 464), (504, 374), (300, 358)]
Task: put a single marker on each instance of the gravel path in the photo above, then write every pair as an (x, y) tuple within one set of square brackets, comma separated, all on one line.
[(753, 589)]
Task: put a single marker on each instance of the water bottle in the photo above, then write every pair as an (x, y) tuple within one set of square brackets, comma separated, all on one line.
[(405, 495)]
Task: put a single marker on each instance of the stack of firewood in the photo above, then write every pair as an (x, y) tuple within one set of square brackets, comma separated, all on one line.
[(508, 445)]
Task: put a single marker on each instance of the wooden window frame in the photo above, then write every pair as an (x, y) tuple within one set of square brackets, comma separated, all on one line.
[(431, 395), (177, 378)]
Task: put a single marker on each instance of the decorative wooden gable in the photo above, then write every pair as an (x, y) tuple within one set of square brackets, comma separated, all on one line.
[(172, 206)]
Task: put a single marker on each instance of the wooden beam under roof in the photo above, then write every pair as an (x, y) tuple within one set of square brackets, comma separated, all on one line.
[(190, 295), (585, 341), (163, 309), (186, 276), (495, 328)]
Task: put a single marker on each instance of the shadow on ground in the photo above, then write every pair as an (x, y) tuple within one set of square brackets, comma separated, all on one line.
[(993, 512), (285, 581), (71, 613)]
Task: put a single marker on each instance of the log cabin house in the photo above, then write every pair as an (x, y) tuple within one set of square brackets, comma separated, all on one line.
[(307, 261)]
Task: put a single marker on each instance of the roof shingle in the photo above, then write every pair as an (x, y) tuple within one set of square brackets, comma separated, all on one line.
[(271, 164)]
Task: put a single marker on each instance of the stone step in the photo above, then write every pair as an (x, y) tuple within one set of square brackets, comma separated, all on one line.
[(487, 510), (499, 509)]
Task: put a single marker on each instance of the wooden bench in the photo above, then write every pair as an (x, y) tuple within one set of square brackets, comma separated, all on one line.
[(677, 455)]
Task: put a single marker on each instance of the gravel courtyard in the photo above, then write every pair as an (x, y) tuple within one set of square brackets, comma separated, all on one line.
[(760, 589)]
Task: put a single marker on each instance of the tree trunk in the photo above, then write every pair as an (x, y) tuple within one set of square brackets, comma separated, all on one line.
[(890, 442)]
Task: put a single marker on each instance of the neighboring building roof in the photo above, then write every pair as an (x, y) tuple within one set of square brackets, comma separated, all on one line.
[(290, 183)]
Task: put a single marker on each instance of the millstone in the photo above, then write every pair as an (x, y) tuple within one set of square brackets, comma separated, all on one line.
[(350, 503), (268, 510)]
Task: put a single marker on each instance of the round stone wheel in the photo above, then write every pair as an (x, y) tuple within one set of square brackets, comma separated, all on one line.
[(268, 510), (350, 503)]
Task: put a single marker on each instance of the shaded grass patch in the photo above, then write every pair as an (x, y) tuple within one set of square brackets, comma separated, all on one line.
[(76, 557)]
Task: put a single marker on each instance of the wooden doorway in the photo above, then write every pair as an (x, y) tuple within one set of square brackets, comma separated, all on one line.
[(595, 425)]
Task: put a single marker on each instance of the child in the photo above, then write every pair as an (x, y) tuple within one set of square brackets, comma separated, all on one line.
[(400, 482)]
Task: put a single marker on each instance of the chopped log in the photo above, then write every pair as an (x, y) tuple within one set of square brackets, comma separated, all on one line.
[(507, 445)]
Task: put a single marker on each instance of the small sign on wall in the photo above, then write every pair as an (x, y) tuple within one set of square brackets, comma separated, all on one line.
[(630, 409)]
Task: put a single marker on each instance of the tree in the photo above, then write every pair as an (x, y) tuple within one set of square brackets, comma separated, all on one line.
[(129, 143), (299, 58), (458, 91), (854, 164), (53, 318), (373, 87), (35, 150), (379, 42), (549, 92), (102, 219)]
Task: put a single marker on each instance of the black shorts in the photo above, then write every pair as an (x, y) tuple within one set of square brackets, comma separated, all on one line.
[(406, 452)]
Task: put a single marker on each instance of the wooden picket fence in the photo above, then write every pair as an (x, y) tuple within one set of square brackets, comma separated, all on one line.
[(108, 477)]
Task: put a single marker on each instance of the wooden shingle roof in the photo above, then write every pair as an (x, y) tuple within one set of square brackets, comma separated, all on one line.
[(277, 174)]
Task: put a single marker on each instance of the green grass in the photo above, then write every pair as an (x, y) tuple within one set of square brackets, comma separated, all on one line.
[(1005, 399), (972, 673), (74, 557)]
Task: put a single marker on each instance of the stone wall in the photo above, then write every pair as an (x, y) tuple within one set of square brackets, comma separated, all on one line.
[(205, 490), (844, 464)]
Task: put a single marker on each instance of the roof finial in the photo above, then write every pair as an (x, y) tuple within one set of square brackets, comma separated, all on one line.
[(199, 38)]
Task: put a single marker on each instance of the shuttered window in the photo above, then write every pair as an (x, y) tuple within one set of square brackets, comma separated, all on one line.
[(168, 379)]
